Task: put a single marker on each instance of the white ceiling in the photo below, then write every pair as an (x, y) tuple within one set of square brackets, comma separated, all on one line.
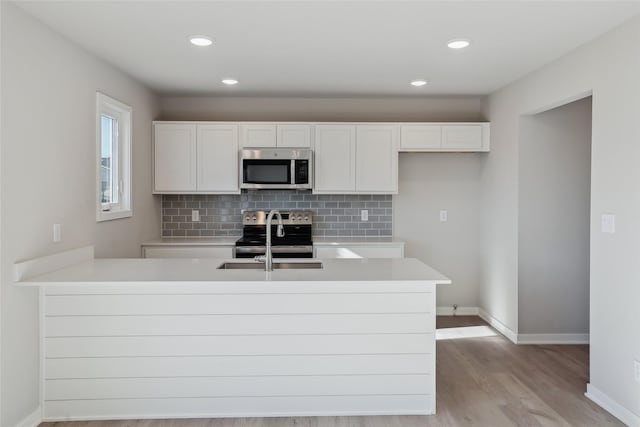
[(329, 48)]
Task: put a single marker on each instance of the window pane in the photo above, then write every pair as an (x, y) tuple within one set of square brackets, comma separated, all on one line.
[(113, 147), (109, 159)]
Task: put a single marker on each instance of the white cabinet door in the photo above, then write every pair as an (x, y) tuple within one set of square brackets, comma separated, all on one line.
[(335, 152), (222, 252), (462, 137), (377, 159), (445, 137), (257, 135), (295, 136), (174, 151), (218, 159), (420, 137), (356, 251)]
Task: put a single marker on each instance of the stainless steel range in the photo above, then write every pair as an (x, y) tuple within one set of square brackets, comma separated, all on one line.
[(296, 243)]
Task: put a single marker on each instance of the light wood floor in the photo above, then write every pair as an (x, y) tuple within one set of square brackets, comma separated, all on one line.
[(487, 382)]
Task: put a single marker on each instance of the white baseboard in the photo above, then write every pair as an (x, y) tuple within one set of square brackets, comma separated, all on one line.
[(532, 338), (553, 338), (32, 420), (499, 326), (461, 311), (611, 406)]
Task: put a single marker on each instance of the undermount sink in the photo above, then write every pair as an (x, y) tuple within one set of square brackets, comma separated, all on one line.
[(276, 265)]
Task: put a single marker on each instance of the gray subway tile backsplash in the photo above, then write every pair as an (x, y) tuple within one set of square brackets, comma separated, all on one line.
[(221, 215)]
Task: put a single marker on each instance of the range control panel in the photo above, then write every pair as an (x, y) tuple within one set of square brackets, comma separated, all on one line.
[(288, 217)]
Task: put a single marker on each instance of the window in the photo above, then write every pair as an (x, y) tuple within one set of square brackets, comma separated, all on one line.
[(113, 138)]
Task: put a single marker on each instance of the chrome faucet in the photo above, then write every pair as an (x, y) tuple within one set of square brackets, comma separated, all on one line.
[(268, 256)]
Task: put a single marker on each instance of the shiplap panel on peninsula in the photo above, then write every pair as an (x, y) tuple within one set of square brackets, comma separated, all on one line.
[(245, 350)]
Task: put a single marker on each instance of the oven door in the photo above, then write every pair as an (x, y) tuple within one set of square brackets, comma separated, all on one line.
[(281, 251)]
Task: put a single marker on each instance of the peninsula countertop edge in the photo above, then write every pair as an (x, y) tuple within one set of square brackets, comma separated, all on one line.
[(140, 271)]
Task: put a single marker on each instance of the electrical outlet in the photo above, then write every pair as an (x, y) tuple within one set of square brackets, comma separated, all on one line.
[(636, 370), (364, 215), (444, 216), (57, 233), (195, 216), (608, 223)]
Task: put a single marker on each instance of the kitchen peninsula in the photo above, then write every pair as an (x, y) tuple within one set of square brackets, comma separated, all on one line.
[(181, 338)]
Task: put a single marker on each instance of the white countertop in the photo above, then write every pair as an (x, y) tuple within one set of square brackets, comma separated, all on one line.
[(180, 271), (193, 241), (356, 240)]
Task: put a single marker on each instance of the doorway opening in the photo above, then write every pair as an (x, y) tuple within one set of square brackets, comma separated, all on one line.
[(554, 224)]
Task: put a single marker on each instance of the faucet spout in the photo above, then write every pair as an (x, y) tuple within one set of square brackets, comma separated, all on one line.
[(268, 262)]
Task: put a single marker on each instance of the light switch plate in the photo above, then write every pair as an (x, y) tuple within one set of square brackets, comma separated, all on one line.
[(636, 370), (444, 216), (608, 223)]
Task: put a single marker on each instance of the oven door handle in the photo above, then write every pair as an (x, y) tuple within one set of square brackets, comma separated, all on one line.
[(274, 249)]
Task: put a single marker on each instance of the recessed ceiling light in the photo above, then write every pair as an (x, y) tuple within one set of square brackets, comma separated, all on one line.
[(458, 43), (201, 40), (419, 83), (230, 82)]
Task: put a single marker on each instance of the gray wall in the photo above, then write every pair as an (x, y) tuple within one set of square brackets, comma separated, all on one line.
[(430, 182), (605, 68), (374, 109), (49, 176), (553, 242)]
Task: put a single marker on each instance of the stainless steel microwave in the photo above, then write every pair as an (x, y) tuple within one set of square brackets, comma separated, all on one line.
[(276, 168)]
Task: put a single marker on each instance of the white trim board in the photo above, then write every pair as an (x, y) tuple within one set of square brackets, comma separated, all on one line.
[(46, 264), (461, 311), (32, 420), (532, 338), (499, 326), (611, 406), (553, 338), (203, 416)]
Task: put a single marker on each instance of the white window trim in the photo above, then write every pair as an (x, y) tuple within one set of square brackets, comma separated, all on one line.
[(112, 107)]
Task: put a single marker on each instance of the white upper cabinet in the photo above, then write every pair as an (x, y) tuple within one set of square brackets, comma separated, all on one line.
[(195, 158), (462, 137), (356, 159), (377, 158), (257, 135), (174, 157), (294, 136), (202, 157), (420, 137), (265, 135), (334, 159), (445, 137), (217, 155)]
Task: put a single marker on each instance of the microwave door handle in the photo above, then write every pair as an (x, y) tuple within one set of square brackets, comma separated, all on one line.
[(293, 171)]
